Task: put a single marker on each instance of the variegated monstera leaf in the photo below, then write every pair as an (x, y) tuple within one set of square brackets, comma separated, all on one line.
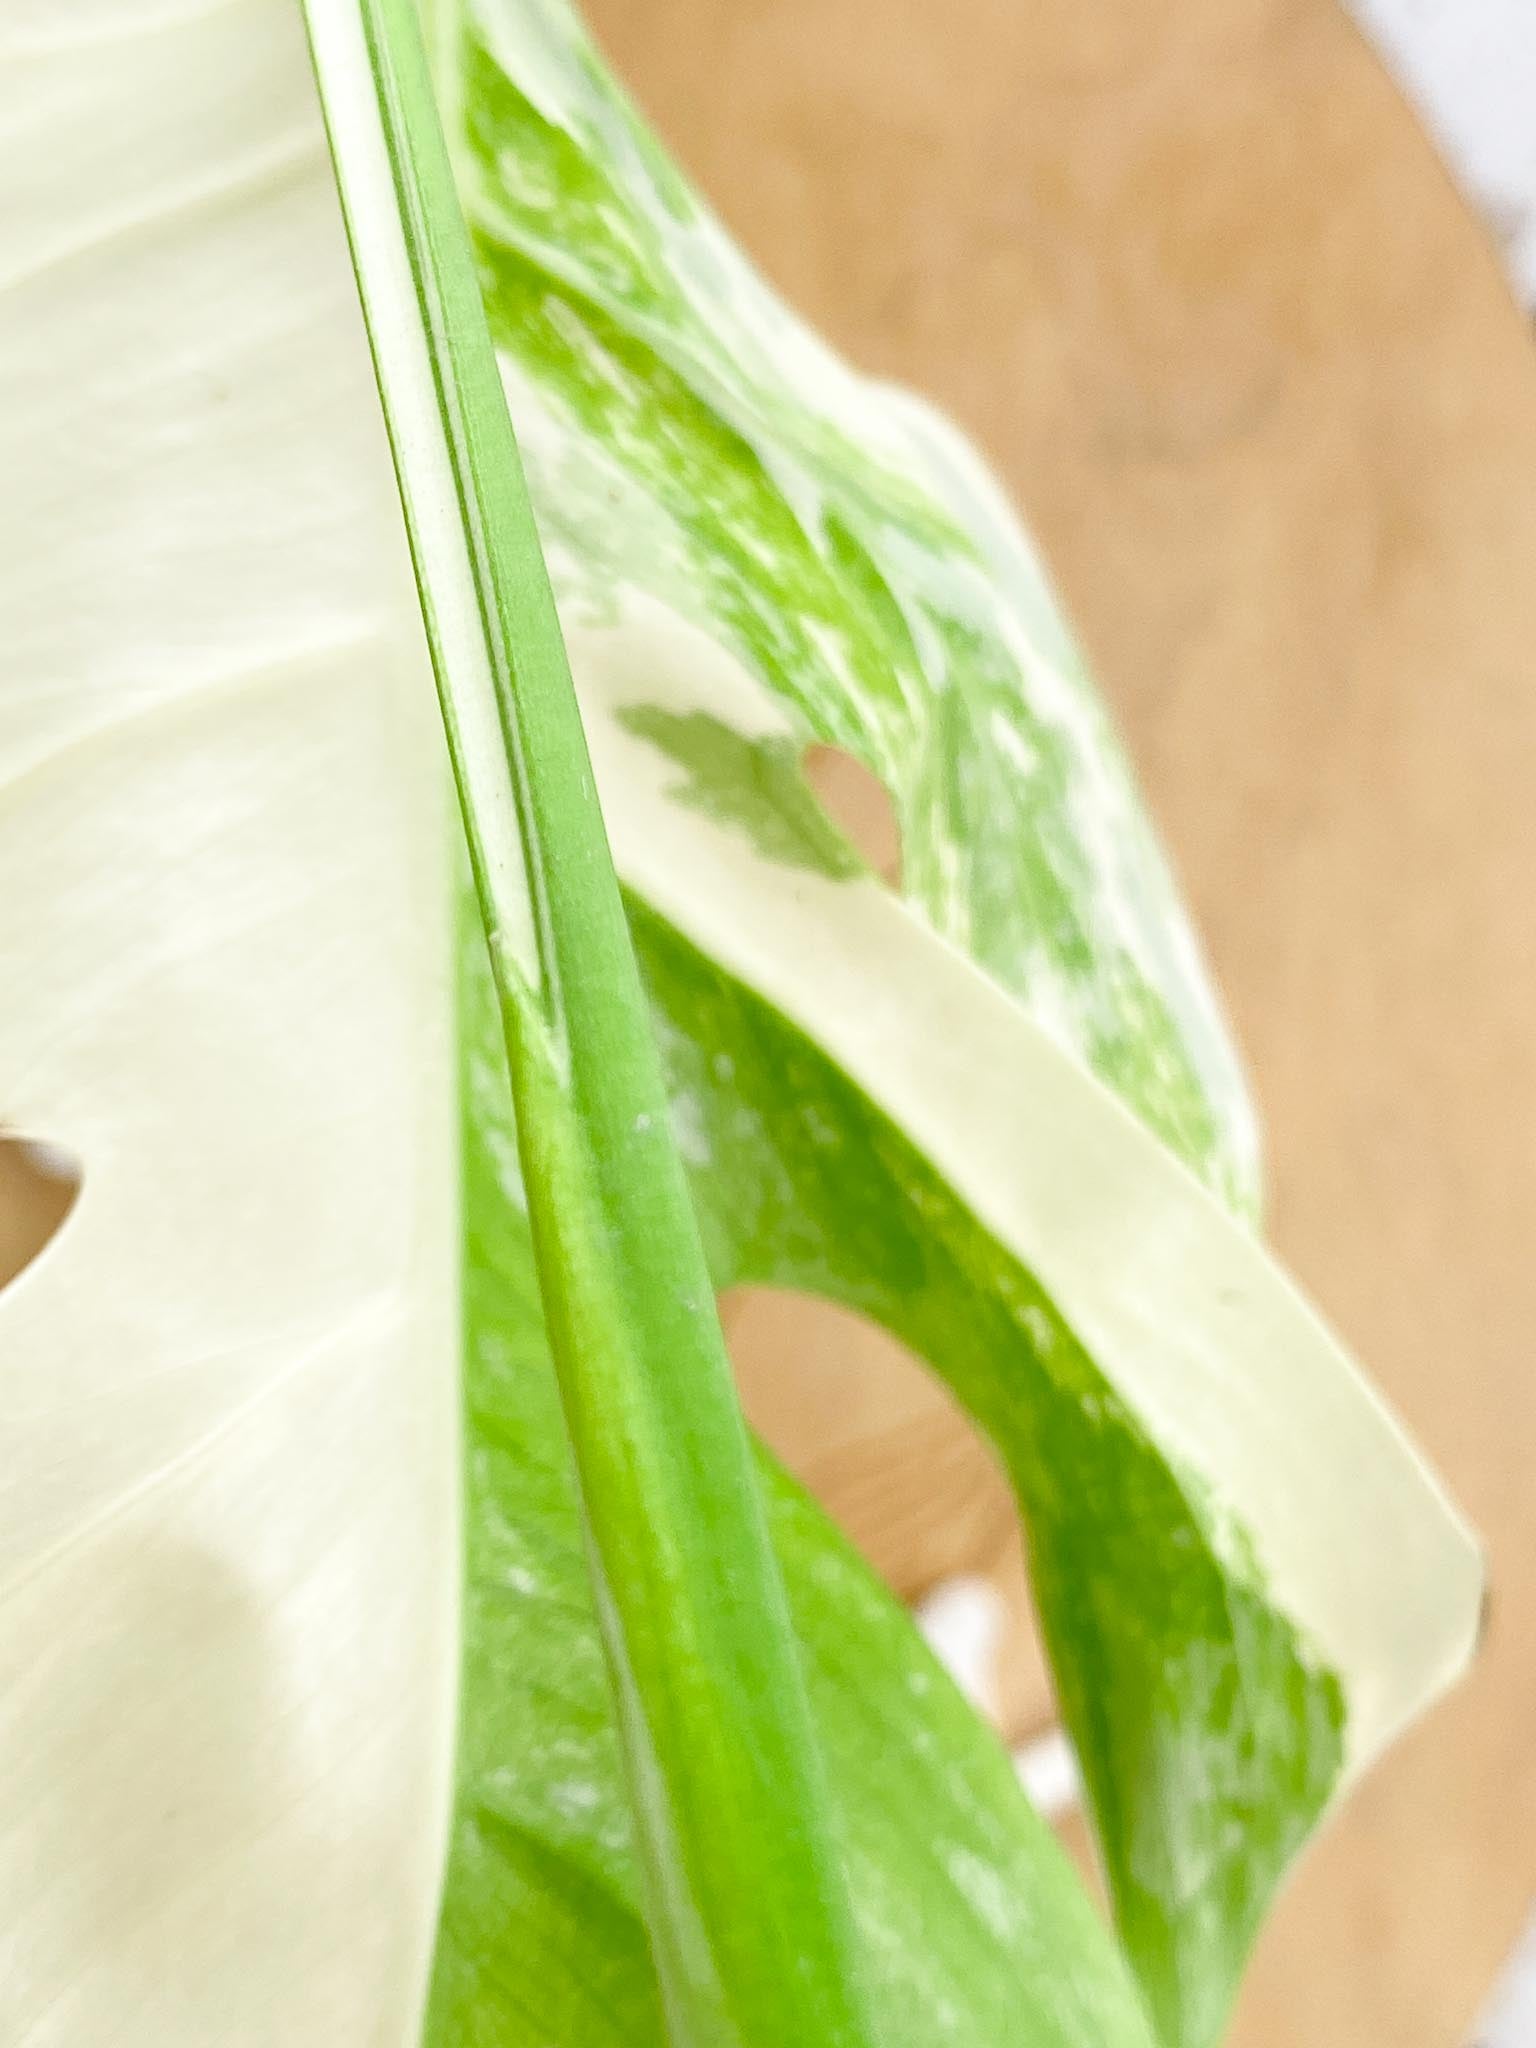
[(272, 1772)]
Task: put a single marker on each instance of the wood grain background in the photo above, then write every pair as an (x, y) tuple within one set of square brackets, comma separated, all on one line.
[(1190, 272)]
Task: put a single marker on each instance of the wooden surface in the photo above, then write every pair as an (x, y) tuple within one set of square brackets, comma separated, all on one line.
[(1189, 271), (33, 1203)]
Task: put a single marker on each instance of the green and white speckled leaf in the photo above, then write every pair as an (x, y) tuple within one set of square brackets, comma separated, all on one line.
[(241, 986), (890, 1103), (692, 443)]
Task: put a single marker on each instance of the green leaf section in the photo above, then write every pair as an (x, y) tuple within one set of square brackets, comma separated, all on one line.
[(697, 458), (745, 1900), (753, 549), (688, 438), (1210, 1740), (688, 441), (972, 1925), (755, 783)]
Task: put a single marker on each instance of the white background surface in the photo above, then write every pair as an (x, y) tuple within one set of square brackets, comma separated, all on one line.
[(1471, 67), (1510, 2021)]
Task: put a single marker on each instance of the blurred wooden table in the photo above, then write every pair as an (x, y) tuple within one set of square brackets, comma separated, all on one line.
[(1190, 272)]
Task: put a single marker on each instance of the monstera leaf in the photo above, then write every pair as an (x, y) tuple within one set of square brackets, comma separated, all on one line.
[(309, 1732)]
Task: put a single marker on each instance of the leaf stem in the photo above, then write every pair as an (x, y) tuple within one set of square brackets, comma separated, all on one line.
[(747, 1906)]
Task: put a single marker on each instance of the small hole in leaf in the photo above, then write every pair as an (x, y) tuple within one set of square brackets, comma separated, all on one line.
[(38, 1187), (893, 1458), (860, 806)]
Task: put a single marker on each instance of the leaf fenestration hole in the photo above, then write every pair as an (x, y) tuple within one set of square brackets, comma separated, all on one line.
[(860, 806), (879, 1440), (39, 1184)]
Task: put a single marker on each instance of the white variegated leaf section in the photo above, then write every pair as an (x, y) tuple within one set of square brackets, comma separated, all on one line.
[(228, 1529), (1190, 1320)]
